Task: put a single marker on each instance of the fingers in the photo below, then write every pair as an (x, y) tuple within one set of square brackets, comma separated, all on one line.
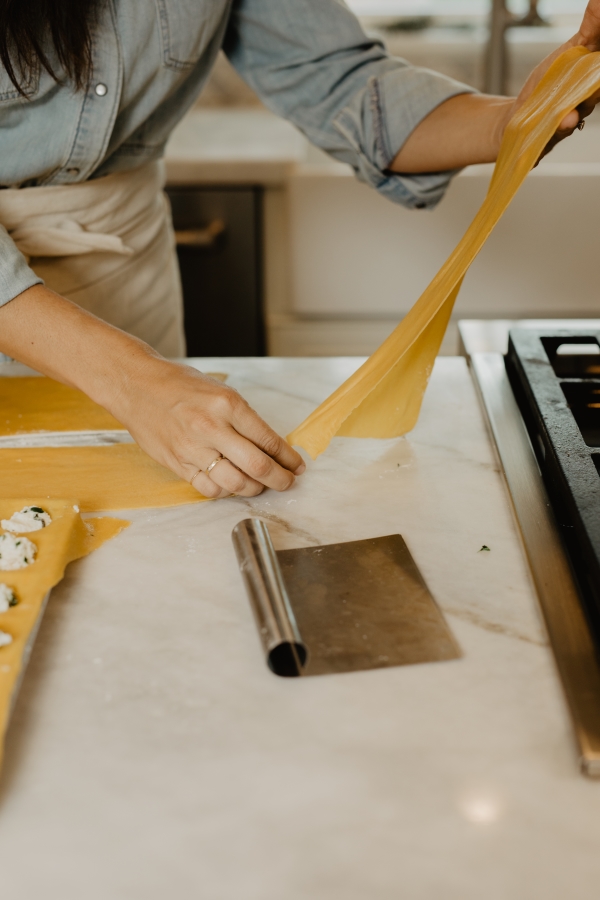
[(588, 106), (258, 465), (208, 488), (221, 478), (569, 123), (233, 474), (233, 481), (231, 411), (248, 424), (558, 137), (224, 481), (239, 467), (576, 116), (244, 469)]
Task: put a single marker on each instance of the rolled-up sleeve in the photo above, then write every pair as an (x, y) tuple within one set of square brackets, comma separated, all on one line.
[(311, 62), (15, 275)]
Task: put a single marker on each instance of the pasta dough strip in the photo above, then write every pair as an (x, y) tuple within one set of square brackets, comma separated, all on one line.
[(382, 399), (121, 476), (34, 403)]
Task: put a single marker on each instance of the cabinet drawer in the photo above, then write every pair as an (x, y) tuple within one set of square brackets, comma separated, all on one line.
[(220, 259)]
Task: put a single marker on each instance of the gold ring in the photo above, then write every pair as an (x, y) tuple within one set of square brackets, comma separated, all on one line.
[(209, 469), (581, 125), (194, 476)]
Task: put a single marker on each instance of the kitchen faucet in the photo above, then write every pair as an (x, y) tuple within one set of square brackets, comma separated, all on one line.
[(496, 56)]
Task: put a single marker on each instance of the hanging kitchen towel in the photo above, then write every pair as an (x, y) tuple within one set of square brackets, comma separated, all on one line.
[(383, 398)]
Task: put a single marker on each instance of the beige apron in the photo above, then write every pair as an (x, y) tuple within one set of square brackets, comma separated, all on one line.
[(107, 245)]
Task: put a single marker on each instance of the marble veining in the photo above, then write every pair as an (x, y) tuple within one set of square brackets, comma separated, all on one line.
[(153, 755)]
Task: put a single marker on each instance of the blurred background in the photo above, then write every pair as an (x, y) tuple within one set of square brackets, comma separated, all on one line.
[(283, 252)]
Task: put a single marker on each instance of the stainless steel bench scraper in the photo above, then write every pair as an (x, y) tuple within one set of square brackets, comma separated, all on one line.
[(340, 607)]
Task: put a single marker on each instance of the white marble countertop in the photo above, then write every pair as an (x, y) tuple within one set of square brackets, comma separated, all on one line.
[(152, 754)]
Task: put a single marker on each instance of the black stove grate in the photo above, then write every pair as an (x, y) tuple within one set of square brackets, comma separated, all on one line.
[(555, 376)]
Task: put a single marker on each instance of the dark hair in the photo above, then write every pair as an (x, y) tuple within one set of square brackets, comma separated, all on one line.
[(27, 27)]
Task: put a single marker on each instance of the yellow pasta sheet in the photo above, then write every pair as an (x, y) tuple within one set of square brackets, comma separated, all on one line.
[(41, 404), (119, 476), (66, 538), (383, 398)]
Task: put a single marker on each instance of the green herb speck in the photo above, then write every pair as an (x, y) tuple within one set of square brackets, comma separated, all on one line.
[(483, 547)]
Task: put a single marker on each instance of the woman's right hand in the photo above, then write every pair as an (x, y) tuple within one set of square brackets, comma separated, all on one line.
[(181, 418), (186, 420)]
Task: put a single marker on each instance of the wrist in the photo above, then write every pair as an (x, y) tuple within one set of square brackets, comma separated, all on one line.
[(125, 366)]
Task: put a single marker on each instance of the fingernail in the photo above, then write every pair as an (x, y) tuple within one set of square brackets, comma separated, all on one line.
[(301, 468)]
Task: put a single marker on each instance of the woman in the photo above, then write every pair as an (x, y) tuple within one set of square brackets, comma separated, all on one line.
[(89, 93)]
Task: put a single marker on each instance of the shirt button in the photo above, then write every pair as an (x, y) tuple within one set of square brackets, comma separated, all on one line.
[(101, 90), (73, 171)]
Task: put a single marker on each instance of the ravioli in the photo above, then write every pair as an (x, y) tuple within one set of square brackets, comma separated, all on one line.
[(67, 538)]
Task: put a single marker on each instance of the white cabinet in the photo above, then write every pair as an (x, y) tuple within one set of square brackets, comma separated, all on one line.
[(357, 262)]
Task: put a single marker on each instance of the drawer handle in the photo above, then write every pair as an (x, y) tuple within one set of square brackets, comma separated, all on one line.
[(200, 237)]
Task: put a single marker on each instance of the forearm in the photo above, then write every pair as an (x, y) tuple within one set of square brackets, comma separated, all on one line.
[(61, 340), (183, 419), (464, 130)]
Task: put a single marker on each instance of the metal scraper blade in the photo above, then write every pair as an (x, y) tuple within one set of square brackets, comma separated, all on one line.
[(340, 607), (364, 605)]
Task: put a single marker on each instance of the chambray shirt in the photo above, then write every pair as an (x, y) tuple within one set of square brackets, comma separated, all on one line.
[(308, 60)]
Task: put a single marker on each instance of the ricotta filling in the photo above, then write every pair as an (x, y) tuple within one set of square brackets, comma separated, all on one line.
[(5, 639), (30, 518), (15, 552), (7, 598)]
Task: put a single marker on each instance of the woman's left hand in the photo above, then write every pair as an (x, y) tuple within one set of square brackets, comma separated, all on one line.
[(588, 36)]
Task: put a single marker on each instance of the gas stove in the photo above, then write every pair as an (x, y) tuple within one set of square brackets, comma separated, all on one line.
[(539, 384), (555, 377)]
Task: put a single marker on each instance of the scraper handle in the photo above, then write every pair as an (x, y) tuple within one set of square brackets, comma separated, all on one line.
[(279, 635)]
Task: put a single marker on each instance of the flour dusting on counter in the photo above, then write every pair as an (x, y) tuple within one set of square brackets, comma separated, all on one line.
[(16, 552), (30, 518)]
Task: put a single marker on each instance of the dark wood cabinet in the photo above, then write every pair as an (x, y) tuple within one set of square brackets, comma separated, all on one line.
[(219, 246)]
